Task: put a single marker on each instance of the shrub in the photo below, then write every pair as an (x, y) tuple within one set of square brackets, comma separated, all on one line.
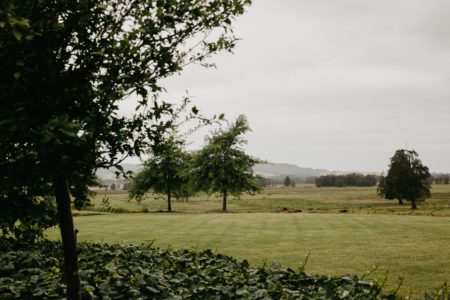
[(131, 272)]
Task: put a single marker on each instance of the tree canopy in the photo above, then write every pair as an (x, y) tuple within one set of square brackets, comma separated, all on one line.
[(165, 172), (64, 68), (222, 166), (407, 179)]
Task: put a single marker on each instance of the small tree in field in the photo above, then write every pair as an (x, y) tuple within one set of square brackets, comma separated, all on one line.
[(287, 181), (407, 179), (65, 66), (222, 166), (164, 172)]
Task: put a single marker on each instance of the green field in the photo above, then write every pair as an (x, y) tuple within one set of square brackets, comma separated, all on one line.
[(415, 247), (375, 232), (306, 198)]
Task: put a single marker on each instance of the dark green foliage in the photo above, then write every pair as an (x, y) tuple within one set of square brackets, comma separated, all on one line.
[(26, 205), (353, 179), (24, 218), (65, 66), (222, 166), (287, 181), (142, 272), (407, 179), (263, 181)]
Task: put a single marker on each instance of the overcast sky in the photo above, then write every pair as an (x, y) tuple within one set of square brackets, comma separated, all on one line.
[(335, 84)]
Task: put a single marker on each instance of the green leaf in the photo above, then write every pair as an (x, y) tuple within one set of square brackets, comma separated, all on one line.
[(22, 22), (17, 35), (89, 288), (152, 289)]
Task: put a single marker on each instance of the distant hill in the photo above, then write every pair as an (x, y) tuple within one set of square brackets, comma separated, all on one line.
[(282, 169), (269, 170), (266, 170)]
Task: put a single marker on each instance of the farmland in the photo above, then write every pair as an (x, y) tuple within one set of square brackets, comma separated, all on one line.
[(373, 232), (307, 198)]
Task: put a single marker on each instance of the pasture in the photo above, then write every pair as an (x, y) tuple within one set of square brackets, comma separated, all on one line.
[(415, 247), (374, 232), (307, 198)]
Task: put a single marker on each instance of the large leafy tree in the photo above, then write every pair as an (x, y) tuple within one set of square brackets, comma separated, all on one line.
[(407, 179), (222, 166), (64, 68), (165, 172)]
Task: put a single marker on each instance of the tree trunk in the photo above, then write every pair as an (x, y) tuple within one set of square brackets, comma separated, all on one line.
[(400, 201), (224, 206), (68, 237), (413, 204), (169, 202)]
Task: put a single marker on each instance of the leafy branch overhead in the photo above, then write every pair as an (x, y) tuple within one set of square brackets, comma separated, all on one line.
[(92, 54), (65, 67)]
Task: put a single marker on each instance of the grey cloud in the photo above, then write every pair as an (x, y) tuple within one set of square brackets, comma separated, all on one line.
[(336, 84)]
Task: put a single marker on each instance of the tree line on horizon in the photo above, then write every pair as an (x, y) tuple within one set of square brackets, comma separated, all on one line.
[(353, 179), (271, 182)]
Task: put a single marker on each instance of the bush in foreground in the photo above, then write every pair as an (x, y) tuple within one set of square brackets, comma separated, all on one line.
[(143, 272)]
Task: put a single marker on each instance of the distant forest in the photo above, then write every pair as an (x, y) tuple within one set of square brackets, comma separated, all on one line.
[(439, 178), (353, 179)]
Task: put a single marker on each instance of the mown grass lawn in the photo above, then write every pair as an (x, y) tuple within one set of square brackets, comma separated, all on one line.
[(415, 247)]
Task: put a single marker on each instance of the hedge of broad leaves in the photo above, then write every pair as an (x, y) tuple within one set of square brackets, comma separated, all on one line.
[(142, 272)]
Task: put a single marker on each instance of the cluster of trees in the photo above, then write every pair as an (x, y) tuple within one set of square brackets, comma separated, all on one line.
[(64, 68), (353, 179), (265, 182), (407, 179), (288, 182), (221, 166), (280, 180), (441, 178)]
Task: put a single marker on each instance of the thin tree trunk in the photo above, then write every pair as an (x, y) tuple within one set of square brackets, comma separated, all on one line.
[(224, 205), (400, 201), (68, 237), (169, 202), (413, 204)]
